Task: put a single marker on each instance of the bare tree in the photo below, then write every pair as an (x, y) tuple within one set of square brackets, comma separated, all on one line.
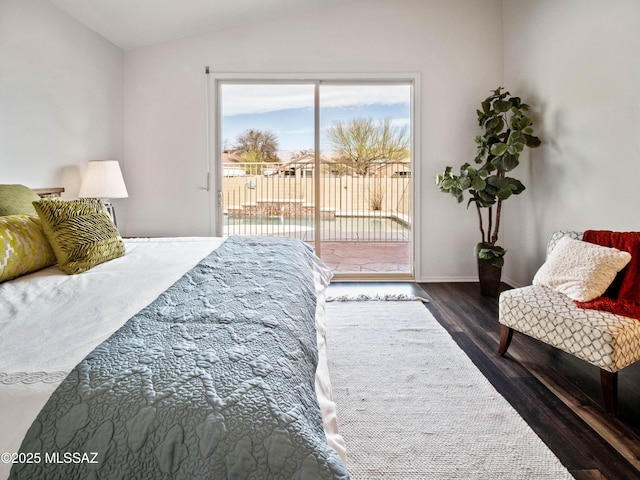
[(260, 146), (365, 142)]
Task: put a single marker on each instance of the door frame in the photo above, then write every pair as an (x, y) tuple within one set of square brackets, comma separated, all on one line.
[(214, 148)]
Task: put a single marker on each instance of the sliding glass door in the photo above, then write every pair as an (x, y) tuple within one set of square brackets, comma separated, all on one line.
[(327, 162), (267, 130), (365, 154)]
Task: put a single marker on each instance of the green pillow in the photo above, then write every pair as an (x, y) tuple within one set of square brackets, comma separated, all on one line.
[(24, 248), (80, 232), (17, 199)]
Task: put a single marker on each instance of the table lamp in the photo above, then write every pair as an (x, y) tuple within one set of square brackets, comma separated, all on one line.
[(103, 180)]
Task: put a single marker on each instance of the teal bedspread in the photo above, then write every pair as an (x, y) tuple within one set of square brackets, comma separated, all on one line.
[(214, 379)]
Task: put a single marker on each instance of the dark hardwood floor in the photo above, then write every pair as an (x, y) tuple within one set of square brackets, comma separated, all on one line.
[(556, 394)]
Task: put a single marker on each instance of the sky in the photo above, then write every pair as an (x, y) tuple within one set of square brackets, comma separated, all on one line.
[(287, 110)]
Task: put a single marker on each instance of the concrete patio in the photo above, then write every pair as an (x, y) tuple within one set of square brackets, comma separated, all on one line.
[(367, 258)]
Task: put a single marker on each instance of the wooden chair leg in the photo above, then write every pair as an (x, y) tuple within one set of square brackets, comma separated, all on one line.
[(609, 382), (506, 334)]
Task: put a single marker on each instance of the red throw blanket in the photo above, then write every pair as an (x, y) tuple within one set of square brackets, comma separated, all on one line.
[(623, 296)]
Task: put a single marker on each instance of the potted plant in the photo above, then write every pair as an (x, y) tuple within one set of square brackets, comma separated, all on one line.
[(507, 131)]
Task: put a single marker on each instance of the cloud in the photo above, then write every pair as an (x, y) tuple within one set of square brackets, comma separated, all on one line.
[(361, 95), (400, 122), (253, 98), (299, 131), (250, 99)]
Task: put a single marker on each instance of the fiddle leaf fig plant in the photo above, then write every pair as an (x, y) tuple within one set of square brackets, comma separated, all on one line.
[(507, 130)]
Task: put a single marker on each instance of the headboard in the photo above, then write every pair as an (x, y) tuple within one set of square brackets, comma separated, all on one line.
[(43, 192)]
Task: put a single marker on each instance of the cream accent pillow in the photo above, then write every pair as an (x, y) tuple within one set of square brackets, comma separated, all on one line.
[(24, 248), (581, 270)]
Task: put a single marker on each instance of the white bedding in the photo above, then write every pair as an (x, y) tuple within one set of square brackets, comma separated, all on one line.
[(50, 321)]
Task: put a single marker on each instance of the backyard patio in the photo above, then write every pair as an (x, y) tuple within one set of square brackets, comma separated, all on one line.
[(352, 257), (360, 224)]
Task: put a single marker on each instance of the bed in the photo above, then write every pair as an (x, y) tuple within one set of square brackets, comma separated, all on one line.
[(176, 358)]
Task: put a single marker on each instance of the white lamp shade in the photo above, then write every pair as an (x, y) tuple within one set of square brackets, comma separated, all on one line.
[(103, 179)]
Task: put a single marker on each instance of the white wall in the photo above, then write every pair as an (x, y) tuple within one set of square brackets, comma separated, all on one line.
[(61, 93), (456, 47), (577, 62)]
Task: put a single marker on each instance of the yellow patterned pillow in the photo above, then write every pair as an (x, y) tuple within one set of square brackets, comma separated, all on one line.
[(16, 200), (24, 248), (81, 233)]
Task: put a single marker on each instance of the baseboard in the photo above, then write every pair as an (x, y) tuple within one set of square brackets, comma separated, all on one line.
[(508, 281), (512, 283), (429, 279)]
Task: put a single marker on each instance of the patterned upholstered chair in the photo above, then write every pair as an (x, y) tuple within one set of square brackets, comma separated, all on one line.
[(608, 341)]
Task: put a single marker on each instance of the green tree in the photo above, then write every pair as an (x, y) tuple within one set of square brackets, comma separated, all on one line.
[(257, 146), (253, 162), (365, 142)]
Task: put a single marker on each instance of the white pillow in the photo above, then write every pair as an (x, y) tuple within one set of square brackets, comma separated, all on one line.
[(581, 270)]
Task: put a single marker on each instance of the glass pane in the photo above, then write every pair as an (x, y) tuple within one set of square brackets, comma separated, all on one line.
[(366, 172), (267, 159), (364, 175)]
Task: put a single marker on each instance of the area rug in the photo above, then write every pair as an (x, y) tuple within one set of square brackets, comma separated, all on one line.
[(367, 297), (411, 405)]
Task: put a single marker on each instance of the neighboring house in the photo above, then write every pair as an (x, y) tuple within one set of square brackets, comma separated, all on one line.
[(231, 166), (302, 164)]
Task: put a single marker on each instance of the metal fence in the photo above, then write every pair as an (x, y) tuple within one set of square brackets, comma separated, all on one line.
[(356, 204)]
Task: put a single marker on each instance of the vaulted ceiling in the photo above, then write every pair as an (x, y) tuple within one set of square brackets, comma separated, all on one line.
[(132, 24)]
